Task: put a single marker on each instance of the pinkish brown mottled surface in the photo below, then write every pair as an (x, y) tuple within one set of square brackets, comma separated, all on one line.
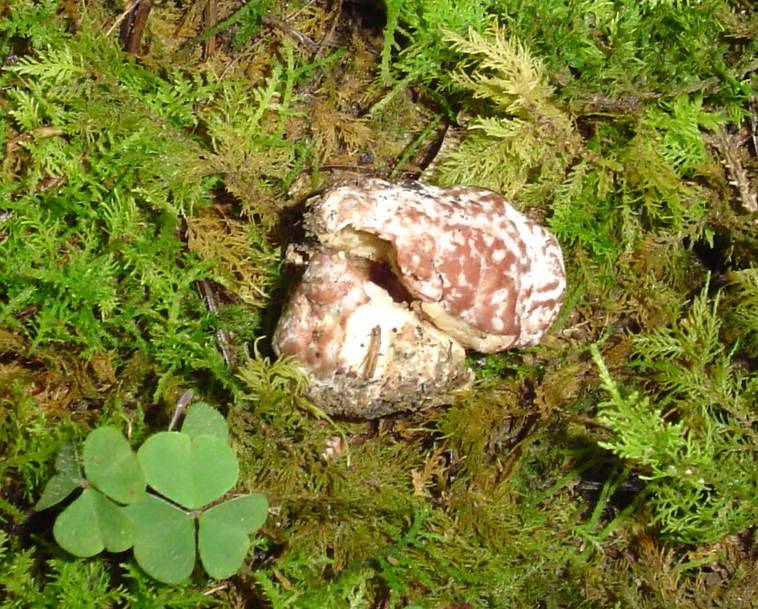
[(315, 324), (367, 354), (462, 248)]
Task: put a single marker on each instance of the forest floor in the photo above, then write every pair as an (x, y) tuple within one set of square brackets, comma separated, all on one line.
[(157, 160)]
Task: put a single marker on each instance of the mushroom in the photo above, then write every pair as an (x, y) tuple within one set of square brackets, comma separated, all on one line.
[(406, 277)]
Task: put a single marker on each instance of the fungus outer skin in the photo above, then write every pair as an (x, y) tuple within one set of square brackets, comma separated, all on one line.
[(482, 271)]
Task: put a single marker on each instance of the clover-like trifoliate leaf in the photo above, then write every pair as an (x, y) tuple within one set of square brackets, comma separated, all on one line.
[(190, 471), (67, 478), (224, 533), (164, 539), (111, 465), (202, 419), (93, 523)]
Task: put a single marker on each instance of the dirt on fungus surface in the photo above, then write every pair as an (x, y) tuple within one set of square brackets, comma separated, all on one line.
[(161, 156)]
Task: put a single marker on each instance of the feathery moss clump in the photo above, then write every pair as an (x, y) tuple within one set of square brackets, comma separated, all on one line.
[(144, 205), (700, 457)]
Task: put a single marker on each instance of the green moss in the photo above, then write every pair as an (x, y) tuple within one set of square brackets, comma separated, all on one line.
[(699, 457)]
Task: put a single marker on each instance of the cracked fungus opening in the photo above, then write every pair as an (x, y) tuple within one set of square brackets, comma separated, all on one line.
[(404, 278)]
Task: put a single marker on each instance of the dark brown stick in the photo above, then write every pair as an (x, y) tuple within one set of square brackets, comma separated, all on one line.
[(133, 26)]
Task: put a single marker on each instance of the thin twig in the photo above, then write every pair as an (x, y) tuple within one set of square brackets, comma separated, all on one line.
[(275, 23), (222, 336), (754, 125), (299, 10), (372, 354), (40, 132), (330, 33), (181, 404), (211, 17), (134, 25), (124, 14), (218, 588)]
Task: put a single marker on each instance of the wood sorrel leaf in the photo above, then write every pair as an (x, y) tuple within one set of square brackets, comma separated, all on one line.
[(111, 465), (190, 471), (67, 478), (202, 419), (164, 539), (93, 523), (224, 533)]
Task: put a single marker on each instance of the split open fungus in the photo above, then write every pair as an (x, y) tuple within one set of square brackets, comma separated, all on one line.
[(402, 280)]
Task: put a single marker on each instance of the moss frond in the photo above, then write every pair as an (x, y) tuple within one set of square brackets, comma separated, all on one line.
[(694, 442)]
